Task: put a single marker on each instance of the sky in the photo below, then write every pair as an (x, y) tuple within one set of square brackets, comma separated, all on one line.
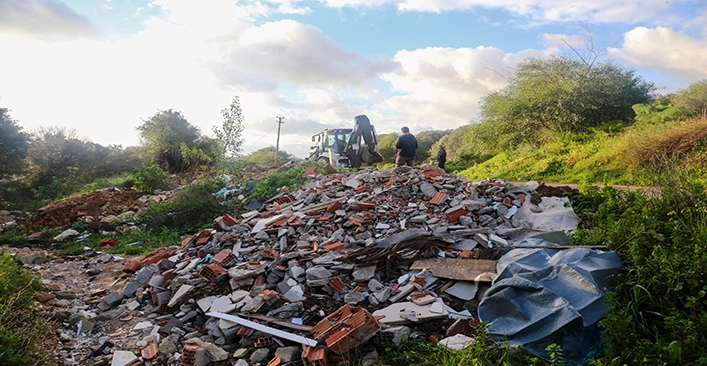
[(102, 67)]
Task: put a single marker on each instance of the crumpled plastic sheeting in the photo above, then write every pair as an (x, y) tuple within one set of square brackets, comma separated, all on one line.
[(550, 215), (546, 296)]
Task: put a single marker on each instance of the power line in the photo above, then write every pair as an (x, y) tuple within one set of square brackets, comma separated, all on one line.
[(251, 146)]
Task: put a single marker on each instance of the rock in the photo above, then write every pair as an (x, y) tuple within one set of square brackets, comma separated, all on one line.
[(259, 355), (112, 300), (363, 274), (456, 342), (353, 298), (122, 358), (317, 276), (288, 354)]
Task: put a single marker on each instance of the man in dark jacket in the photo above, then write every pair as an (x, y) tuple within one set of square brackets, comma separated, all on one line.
[(407, 146), (441, 156)]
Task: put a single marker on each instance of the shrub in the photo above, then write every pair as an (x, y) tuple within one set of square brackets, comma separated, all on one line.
[(151, 178), (659, 148), (658, 310), (189, 210), (21, 327)]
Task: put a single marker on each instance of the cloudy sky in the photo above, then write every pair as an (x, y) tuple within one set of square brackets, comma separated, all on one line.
[(100, 67)]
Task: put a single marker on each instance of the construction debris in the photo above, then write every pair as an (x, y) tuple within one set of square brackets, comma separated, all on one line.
[(326, 268)]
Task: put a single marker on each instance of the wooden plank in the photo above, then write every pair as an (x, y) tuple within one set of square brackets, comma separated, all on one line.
[(457, 268)]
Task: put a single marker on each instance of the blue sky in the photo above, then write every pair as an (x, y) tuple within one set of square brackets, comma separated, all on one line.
[(102, 66)]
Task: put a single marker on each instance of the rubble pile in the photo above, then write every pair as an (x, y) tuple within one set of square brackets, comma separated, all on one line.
[(350, 260), (99, 205)]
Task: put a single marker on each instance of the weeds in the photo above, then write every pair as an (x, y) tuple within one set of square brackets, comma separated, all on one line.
[(190, 210), (21, 327), (482, 352), (658, 309)]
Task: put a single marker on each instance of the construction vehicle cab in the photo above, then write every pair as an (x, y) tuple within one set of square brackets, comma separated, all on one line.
[(347, 147)]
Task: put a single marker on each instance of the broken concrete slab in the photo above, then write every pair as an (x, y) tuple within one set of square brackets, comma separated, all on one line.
[(397, 314), (482, 270), (456, 342)]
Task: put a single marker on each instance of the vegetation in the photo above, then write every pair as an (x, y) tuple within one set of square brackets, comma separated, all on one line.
[(174, 144), (482, 352), (22, 328), (559, 95), (658, 307), (190, 210)]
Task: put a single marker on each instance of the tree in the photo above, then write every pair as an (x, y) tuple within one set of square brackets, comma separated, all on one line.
[(425, 141), (13, 145), (162, 137), (386, 147), (57, 157), (693, 99), (265, 158), (230, 135), (560, 94)]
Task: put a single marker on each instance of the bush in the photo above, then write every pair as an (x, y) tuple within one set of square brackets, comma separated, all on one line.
[(21, 327), (658, 311), (291, 178), (188, 211), (151, 178)]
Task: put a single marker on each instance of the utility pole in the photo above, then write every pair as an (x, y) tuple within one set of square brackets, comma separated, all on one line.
[(277, 145)]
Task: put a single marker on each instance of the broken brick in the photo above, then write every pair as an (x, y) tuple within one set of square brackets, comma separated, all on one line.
[(212, 272), (224, 258)]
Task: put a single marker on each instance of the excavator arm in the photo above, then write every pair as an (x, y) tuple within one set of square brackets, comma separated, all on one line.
[(363, 143)]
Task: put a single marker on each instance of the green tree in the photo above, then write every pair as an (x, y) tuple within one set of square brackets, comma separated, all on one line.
[(162, 137), (693, 99), (559, 95), (230, 135), (13, 145), (425, 141), (386, 147), (265, 158), (56, 153)]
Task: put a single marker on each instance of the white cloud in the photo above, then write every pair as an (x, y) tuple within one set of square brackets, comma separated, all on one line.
[(593, 11), (287, 51), (439, 88), (666, 50), (49, 20)]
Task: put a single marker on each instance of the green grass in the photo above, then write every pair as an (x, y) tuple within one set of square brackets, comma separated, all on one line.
[(22, 328), (482, 352), (136, 242), (659, 308)]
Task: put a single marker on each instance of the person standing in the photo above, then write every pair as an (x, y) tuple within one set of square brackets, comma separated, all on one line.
[(407, 147), (441, 156)]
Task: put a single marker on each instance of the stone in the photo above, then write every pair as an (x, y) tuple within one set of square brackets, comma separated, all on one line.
[(111, 300), (456, 342), (317, 276), (296, 293), (259, 355), (123, 358), (364, 274), (353, 298), (288, 354), (167, 347), (130, 289), (427, 189)]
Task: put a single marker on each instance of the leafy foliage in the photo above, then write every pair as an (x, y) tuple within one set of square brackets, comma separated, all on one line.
[(425, 141), (230, 135), (13, 145), (290, 178), (163, 135), (559, 94), (151, 178), (693, 99), (265, 158), (190, 210), (21, 327), (482, 352), (658, 308)]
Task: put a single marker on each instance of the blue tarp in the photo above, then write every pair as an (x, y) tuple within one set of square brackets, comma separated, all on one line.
[(545, 296)]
